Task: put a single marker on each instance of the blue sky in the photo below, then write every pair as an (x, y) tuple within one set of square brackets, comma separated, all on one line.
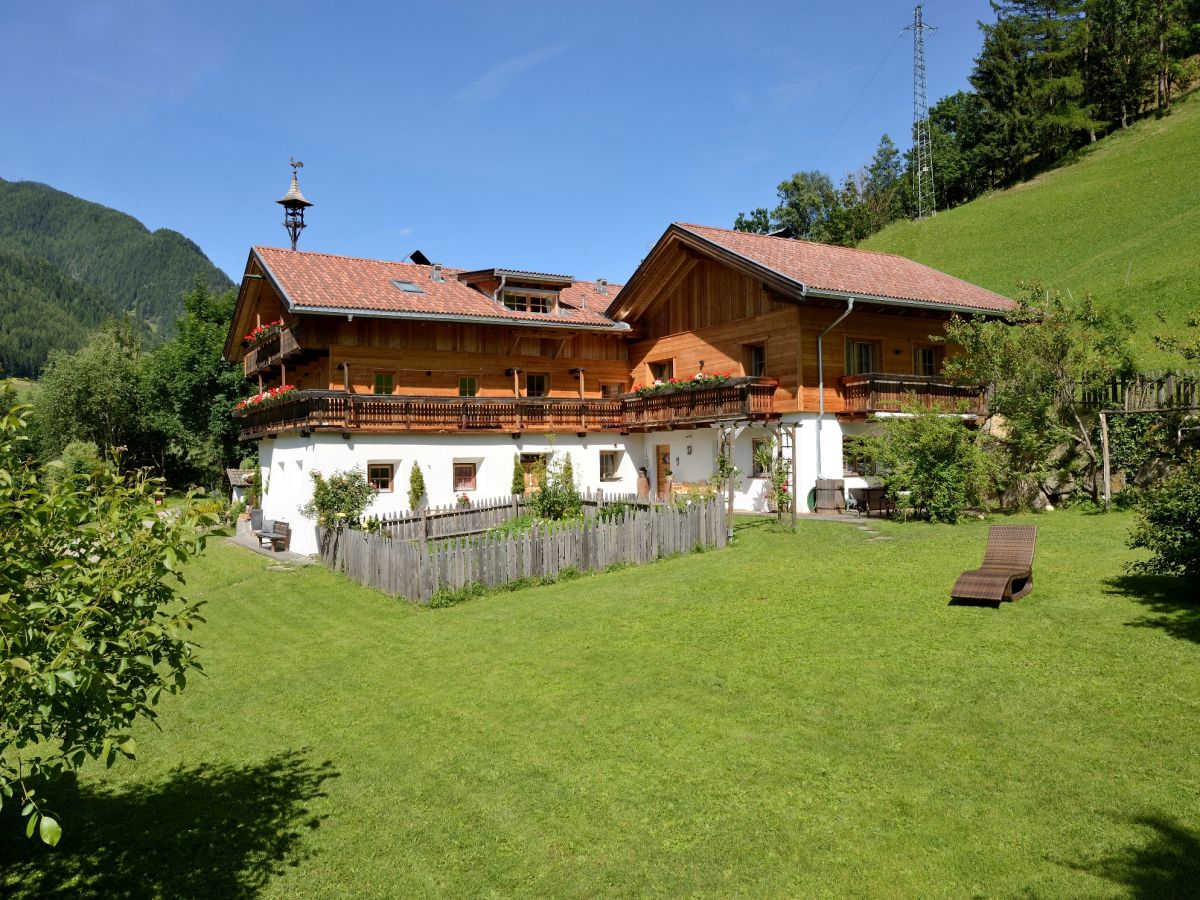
[(554, 136)]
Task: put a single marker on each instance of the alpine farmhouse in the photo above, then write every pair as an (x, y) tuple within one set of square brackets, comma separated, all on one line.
[(465, 371)]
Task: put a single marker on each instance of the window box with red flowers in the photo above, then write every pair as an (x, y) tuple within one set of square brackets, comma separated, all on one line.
[(262, 333), (266, 398)]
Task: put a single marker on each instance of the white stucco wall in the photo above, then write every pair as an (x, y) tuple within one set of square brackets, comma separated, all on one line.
[(288, 461)]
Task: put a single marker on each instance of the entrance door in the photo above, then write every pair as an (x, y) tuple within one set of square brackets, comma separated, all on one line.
[(529, 464), (662, 469)]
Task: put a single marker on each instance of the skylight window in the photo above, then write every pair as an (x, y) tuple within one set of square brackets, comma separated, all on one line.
[(409, 287)]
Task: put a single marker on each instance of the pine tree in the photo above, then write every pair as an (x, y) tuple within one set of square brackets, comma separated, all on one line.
[(1029, 76)]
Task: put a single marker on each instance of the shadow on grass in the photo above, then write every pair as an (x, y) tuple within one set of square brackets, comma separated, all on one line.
[(1166, 864), (1171, 598), (208, 831)]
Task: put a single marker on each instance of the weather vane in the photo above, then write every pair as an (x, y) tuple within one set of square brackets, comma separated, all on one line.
[(294, 203)]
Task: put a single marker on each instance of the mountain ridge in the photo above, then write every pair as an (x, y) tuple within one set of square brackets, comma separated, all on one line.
[(67, 263)]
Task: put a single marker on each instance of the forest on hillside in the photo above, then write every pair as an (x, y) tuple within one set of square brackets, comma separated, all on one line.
[(68, 265), (1051, 76)]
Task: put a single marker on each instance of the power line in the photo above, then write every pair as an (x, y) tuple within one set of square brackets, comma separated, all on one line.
[(851, 107)]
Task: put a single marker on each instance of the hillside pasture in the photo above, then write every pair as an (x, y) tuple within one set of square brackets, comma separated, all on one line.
[(1121, 221)]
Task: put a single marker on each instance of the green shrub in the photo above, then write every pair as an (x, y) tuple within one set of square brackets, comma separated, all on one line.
[(934, 457), (557, 496), (248, 463), (518, 476), (255, 490), (80, 459), (416, 486), (1170, 524), (342, 497)]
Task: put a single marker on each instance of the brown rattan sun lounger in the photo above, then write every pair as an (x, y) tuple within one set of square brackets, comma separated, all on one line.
[(1007, 570)]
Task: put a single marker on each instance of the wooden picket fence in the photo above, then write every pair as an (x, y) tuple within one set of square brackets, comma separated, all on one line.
[(432, 523), (1146, 391), (418, 569)]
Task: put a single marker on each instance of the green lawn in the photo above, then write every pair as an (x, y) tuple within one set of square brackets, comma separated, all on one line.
[(799, 715), (1123, 222)]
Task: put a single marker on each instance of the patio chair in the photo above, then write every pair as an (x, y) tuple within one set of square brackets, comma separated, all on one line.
[(1007, 570)]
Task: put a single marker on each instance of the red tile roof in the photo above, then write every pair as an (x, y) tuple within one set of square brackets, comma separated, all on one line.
[(844, 270), (324, 281)]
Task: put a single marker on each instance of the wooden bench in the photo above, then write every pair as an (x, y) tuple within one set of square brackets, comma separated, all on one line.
[(278, 534)]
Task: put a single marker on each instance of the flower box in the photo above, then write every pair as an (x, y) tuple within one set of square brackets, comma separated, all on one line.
[(262, 332), (274, 395), (697, 382)]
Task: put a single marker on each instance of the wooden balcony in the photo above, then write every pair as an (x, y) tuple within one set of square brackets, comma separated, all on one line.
[(272, 351), (875, 392), (338, 411), (740, 398)]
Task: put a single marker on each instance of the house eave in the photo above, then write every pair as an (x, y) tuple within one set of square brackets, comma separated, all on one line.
[(450, 317)]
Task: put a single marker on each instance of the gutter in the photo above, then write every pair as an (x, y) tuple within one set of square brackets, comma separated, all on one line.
[(821, 378), (913, 304), (444, 317)]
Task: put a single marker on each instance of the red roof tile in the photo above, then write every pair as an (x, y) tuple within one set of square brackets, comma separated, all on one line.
[(823, 267), (324, 281)]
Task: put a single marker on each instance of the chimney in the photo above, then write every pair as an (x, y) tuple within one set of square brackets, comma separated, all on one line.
[(436, 274), (602, 286)]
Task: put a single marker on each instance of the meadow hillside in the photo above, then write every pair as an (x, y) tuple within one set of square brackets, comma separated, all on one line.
[(1121, 221)]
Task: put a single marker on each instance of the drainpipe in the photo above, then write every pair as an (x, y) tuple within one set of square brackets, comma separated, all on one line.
[(499, 291), (821, 380)]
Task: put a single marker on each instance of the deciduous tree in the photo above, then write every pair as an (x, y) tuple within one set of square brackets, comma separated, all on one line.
[(1035, 363), (92, 626)]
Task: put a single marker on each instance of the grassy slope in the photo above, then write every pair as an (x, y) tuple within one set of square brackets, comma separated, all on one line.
[(1123, 223), (702, 726)]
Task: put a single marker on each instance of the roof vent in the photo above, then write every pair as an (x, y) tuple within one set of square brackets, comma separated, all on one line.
[(436, 274), (602, 286)]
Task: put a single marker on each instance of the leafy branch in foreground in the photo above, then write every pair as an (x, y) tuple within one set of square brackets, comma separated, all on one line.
[(92, 628)]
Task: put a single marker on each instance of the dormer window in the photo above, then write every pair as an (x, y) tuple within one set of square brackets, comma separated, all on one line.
[(530, 303)]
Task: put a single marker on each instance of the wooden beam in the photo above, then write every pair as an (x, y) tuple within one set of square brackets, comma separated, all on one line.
[(1107, 467)]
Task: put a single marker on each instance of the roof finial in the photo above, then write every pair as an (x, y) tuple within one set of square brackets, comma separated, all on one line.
[(294, 203)]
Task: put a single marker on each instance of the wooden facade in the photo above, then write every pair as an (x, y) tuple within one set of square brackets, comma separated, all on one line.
[(718, 320), (692, 313)]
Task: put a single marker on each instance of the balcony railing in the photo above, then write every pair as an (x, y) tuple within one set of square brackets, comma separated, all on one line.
[(874, 392), (741, 398), (340, 411), (272, 351)]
